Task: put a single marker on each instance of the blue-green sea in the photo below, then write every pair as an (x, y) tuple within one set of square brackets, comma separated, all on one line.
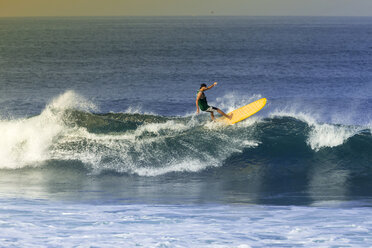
[(101, 146)]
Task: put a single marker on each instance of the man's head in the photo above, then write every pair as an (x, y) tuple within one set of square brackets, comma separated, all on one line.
[(203, 85)]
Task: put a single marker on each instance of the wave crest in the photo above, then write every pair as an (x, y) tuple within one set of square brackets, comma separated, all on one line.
[(151, 145), (26, 142)]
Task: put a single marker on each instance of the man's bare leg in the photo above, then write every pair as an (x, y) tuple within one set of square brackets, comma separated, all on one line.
[(222, 113), (212, 116)]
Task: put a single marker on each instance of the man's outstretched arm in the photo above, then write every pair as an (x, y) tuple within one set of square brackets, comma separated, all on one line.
[(209, 87)]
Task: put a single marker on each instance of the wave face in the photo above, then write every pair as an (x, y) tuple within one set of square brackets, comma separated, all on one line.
[(152, 145)]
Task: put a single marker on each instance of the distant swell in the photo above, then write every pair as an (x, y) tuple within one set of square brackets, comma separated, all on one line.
[(151, 145)]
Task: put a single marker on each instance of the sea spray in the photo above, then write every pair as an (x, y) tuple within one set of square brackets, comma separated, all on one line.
[(153, 148), (26, 142), (152, 145), (321, 134)]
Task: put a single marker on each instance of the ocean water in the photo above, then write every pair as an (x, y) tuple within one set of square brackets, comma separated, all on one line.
[(100, 145)]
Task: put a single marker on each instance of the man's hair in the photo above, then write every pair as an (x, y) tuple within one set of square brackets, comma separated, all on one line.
[(203, 85)]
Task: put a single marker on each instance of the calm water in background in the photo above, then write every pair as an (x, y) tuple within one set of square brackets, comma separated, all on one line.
[(100, 144)]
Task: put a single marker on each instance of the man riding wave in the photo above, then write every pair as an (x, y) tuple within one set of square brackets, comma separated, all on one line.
[(201, 102)]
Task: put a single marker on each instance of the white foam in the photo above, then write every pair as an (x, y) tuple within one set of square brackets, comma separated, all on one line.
[(26, 142), (151, 149), (52, 223), (322, 134), (137, 110), (156, 128), (71, 100), (369, 127), (188, 165), (325, 135), (215, 125), (247, 122)]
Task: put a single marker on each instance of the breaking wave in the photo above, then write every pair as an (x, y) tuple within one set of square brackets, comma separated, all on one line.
[(151, 145)]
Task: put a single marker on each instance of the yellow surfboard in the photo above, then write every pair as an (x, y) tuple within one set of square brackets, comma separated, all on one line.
[(243, 112)]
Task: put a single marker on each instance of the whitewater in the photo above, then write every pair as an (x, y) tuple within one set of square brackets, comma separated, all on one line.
[(151, 145)]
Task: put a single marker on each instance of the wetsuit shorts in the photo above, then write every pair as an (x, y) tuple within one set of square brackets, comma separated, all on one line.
[(211, 109)]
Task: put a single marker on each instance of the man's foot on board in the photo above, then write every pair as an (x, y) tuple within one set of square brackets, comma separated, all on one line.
[(230, 116)]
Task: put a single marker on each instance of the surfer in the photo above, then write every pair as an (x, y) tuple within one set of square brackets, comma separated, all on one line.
[(201, 102)]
